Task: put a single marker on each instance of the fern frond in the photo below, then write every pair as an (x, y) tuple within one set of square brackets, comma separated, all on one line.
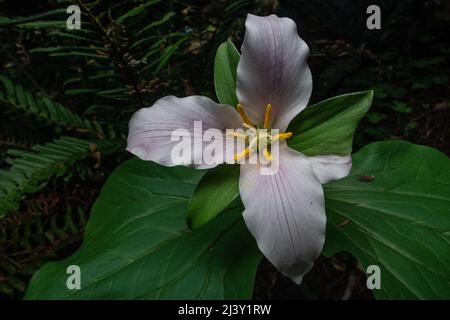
[(4, 21), (28, 238), (140, 9), (19, 135), (30, 170), (44, 110)]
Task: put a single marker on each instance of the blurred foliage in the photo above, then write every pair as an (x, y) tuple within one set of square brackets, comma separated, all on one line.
[(66, 95)]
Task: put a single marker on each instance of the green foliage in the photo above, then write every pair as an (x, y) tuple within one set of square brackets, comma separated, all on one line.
[(137, 245), (401, 107), (406, 88), (225, 67), (18, 135), (43, 110), (390, 211), (393, 211), (30, 170), (35, 235), (217, 189), (125, 45), (328, 126)]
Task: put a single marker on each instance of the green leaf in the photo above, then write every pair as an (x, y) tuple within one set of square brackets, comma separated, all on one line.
[(225, 69), (137, 245), (393, 211), (218, 188), (328, 126)]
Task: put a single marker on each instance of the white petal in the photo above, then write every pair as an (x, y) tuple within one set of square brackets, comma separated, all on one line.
[(273, 69), (150, 129), (285, 212), (331, 167)]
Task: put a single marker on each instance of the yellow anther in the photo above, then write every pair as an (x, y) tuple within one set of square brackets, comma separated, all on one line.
[(267, 117), (242, 154), (244, 117), (282, 136), (237, 135), (267, 154), (248, 126)]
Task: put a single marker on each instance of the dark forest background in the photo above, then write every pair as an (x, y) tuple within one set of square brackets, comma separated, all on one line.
[(66, 98)]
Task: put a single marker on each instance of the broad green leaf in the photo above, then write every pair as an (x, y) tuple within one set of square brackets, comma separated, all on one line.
[(393, 211), (217, 189), (225, 68), (137, 244), (328, 126)]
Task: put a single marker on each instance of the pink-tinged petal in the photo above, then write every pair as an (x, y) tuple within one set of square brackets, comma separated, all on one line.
[(273, 69), (331, 167), (285, 212), (151, 129)]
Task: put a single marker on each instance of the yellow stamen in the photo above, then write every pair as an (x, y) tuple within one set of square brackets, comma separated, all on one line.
[(244, 117), (282, 136), (267, 154), (248, 126), (267, 117), (237, 135), (241, 155)]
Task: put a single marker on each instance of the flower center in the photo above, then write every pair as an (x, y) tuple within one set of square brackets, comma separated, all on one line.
[(259, 139)]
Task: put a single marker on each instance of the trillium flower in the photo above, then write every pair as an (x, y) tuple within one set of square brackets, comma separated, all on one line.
[(285, 212)]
